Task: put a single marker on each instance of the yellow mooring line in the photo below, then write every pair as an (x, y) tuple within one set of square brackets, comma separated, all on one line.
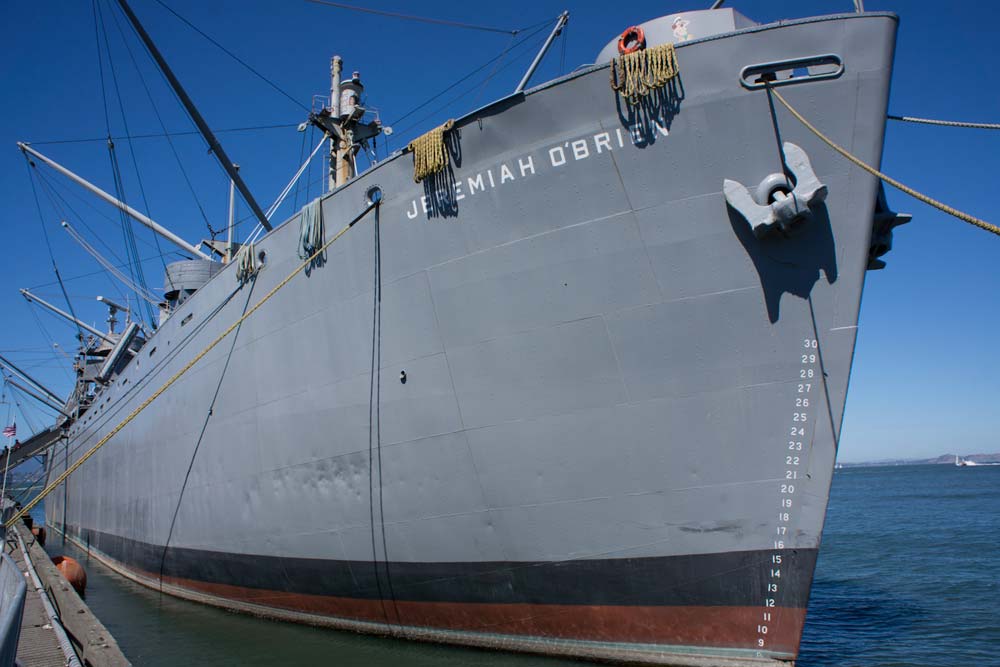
[(982, 224), (145, 404)]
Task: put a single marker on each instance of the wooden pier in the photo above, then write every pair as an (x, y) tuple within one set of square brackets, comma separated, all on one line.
[(89, 641)]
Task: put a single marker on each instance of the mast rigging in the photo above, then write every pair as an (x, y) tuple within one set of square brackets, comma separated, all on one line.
[(214, 146), (140, 217)]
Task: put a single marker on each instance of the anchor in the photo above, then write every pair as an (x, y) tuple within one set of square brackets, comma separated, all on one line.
[(883, 222), (775, 206)]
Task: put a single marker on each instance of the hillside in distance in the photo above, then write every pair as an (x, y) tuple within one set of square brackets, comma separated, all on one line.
[(944, 459)]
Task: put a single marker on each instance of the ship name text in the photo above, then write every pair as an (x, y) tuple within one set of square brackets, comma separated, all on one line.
[(559, 156)]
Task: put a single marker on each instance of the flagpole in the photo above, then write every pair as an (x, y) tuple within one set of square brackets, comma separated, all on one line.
[(6, 466)]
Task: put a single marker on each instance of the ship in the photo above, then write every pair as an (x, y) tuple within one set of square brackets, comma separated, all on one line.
[(566, 376)]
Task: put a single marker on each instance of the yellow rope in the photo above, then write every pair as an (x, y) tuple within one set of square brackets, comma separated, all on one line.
[(430, 155), (637, 74), (982, 224), (132, 415)]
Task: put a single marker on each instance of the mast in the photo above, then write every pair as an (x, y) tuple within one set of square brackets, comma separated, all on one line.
[(213, 143), (136, 215), (342, 122), (83, 325), (336, 66)]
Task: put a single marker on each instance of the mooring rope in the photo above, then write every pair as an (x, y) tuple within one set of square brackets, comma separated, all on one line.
[(635, 75), (176, 376), (946, 123), (972, 220), (430, 155)]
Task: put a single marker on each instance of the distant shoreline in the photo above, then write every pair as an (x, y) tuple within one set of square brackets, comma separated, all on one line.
[(944, 459)]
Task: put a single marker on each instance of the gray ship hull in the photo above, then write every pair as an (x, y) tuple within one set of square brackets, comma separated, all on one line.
[(618, 424)]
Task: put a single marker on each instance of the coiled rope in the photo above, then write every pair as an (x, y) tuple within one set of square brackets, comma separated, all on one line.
[(430, 155), (246, 263), (176, 376), (946, 123), (972, 220), (311, 228), (635, 75)]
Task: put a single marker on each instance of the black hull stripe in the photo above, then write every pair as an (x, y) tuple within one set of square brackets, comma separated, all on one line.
[(723, 579)]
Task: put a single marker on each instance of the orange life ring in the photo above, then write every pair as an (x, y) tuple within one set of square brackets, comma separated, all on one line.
[(632, 40)]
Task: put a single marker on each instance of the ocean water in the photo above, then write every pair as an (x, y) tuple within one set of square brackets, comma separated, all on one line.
[(909, 570), (908, 575)]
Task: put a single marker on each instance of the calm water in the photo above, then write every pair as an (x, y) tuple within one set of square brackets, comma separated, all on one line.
[(908, 575)]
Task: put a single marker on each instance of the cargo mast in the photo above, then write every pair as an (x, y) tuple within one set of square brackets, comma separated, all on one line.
[(341, 121)]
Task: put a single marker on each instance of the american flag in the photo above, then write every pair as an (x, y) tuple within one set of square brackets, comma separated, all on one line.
[(10, 431)]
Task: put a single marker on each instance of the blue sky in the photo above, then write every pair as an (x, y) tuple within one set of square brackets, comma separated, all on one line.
[(926, 369)]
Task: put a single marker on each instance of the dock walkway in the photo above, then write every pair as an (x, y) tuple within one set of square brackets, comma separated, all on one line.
[(84, 635), (38, 645)]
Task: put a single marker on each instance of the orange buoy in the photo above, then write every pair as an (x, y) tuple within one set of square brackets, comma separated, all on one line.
[(72, 571), (39, 533)]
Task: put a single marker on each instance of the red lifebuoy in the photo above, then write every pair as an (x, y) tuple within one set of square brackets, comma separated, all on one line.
[(632, 40)]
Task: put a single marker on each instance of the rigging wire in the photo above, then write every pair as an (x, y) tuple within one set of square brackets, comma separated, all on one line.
[(298, 184), (59, 202), (159, 119), (89, 274), (411, 17), (161, 135), (113, 409), (232, 55), (53, 187), (41, 221), (143, 293), (255, 234), (201, 436), (51, 341), (107, 123), (538, 28), (10, 404), (100, 69), (493, 72), (374, 415), (180, 373), (55, 201), (455, 99), (27, 490), (128, 231), (312, 136), (14, 394)]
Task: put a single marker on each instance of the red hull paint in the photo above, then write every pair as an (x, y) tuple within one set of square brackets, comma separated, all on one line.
[(708, 626)]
